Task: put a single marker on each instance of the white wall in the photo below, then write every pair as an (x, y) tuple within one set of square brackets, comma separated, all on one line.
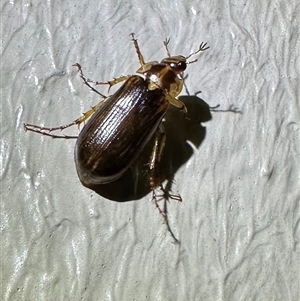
[(238, 224)]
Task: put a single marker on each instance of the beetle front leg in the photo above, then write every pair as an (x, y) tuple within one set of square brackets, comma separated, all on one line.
[(166, 43), (138, 51)]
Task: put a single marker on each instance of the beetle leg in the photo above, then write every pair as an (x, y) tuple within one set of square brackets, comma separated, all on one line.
[(86, 80), (137, 49), (159, 143), (110, 83), (114, 81), (177, 103), (46, 131), (166, 43), (155, 180), (34, 128)]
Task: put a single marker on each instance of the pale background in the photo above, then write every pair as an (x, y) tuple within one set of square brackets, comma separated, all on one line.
[(239, 222)]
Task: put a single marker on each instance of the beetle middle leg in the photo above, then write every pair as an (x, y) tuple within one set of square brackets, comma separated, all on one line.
[(110, 82), (155, 180), (47, 130), (86, 80), (114, 81)]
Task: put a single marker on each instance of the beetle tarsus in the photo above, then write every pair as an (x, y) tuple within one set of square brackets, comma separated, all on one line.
[(163, 212), (166, 43)]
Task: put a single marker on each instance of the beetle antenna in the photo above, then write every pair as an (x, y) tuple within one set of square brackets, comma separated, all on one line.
[(201, 48)]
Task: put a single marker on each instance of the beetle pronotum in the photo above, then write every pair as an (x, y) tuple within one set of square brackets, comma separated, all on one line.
[(121, 124)]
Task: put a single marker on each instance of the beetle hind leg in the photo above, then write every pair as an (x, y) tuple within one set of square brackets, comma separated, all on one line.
[(47, 130), (43, 131), (164, 196), (155, 180), (163, 212)]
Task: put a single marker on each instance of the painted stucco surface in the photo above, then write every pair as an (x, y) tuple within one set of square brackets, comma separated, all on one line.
[(238, 173)]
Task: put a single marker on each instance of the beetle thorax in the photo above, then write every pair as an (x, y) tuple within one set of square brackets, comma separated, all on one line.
[(162, 76)]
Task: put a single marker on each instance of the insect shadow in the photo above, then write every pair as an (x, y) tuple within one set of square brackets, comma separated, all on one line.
[(134, 183)]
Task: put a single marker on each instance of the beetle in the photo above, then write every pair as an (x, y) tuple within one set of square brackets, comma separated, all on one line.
[(119, 126)]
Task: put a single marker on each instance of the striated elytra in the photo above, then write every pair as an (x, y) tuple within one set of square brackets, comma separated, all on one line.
[(117, 132)]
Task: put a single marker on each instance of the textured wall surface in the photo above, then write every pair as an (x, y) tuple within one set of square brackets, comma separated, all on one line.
[(238, 226)]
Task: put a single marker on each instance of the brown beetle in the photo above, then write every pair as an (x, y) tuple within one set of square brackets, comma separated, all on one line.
[(121, 124)]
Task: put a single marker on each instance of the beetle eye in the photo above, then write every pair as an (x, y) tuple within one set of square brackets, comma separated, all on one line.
[(178, 66)]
